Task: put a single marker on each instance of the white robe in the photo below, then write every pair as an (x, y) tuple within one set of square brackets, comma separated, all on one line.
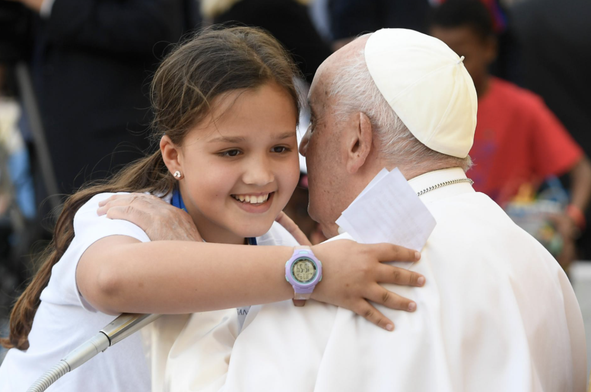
[(497, 314)]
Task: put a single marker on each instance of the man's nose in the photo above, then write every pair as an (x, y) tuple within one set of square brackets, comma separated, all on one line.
[(258, 171), (304, 143)]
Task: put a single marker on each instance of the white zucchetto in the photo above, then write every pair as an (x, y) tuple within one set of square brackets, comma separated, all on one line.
[(427, 85)]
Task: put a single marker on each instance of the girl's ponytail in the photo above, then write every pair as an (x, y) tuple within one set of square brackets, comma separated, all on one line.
[(148, 174)]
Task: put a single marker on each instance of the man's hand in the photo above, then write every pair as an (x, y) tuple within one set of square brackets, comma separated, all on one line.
[(160, 220)]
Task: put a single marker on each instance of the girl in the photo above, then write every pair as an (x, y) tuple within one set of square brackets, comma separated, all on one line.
[(226, 110)]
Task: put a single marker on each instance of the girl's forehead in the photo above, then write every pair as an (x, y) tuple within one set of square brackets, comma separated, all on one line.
[(242, 132), (264, 111)]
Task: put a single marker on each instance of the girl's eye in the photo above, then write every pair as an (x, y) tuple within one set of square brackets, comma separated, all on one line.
[(230, 153), (280, 149)]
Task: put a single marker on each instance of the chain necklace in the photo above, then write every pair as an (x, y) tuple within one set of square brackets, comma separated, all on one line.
[(445, 183)]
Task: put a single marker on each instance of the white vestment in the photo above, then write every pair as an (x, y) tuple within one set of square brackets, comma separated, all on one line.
[(497, 313)]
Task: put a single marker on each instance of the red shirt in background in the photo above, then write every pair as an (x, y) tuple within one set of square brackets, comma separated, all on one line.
[(518, 139)]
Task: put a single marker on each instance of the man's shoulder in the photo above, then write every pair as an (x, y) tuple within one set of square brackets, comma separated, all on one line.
[(475, 226)]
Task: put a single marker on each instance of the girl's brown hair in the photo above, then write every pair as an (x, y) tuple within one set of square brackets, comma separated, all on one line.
[(214, 61)]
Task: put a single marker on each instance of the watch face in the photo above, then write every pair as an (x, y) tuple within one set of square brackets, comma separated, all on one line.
[(304, 270)]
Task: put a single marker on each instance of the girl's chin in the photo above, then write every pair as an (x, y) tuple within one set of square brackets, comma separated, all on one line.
[(255, 230)]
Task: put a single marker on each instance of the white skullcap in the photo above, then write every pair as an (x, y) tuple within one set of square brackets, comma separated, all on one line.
[(427, 85)]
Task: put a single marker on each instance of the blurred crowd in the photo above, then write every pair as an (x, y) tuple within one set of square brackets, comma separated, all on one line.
[(74, 102)]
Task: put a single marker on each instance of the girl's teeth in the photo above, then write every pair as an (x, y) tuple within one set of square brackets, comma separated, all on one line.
[(252, 199)]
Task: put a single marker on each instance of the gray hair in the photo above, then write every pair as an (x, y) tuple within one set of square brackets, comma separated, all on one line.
[(355, 91)]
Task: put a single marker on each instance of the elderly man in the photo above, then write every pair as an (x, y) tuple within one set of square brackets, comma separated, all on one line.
[(497, 312)]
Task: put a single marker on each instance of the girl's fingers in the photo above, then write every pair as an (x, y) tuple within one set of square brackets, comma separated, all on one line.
[(400, 276), (389, 252), (292, 228), (371, 314), (389, 299)]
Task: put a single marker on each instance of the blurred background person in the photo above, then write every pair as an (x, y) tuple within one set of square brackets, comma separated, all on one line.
[(90, 62), (507, 63), (518, 139), (287, 20), (350, 18), (555, 37)]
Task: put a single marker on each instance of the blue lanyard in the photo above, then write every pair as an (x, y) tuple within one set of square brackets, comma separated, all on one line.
[(177, 201)]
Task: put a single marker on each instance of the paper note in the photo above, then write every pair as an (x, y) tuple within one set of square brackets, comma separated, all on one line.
[(388, 210)]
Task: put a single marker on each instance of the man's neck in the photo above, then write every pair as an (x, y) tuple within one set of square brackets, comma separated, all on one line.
[(410, 172)]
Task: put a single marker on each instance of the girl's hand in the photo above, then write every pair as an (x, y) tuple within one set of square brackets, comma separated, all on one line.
[(352, 273), (292, 228), (160, 220)]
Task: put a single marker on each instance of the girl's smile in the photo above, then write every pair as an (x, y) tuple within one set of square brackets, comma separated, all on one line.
[(255, 203), (252, 199)]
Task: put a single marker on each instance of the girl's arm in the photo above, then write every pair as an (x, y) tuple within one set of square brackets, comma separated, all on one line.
[(121, 274)]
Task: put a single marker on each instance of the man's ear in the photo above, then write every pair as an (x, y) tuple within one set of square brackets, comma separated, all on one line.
[(171, 154), (359, 143)]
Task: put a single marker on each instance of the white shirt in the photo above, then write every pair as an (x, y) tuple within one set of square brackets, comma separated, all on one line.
[(497, 314), (64, 320)]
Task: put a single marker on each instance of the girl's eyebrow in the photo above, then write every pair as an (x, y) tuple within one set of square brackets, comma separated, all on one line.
[(238, 139), (228, 139), (285, 135)]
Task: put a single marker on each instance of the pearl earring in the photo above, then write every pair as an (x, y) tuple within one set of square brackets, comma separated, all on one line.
[(177, 174)]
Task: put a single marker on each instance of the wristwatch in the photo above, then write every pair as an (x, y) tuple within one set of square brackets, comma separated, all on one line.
[(304, 271)]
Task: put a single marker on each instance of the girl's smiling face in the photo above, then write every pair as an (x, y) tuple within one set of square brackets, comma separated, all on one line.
[(240, 165)]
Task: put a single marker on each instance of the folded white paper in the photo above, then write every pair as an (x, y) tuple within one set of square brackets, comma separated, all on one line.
[(388, 210)]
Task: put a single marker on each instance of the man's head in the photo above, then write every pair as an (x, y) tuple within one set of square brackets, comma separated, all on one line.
[(467, 27), (396, 98)]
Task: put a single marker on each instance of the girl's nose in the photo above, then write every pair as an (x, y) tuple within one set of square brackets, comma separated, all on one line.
[(258, 171)]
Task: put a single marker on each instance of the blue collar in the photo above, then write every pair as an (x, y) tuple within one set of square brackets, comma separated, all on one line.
[(177, 201)]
